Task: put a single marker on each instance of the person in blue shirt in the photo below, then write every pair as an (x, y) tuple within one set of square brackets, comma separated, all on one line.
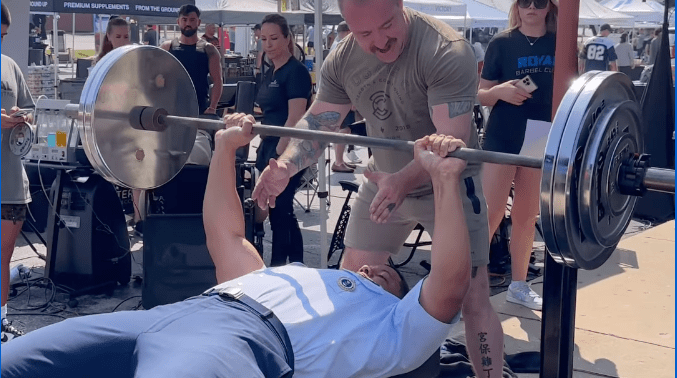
[(272, 322), (598, 53)]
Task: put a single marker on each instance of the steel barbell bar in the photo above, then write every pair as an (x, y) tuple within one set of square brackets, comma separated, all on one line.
[(157, 119)]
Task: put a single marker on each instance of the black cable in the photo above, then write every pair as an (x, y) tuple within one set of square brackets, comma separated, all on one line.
[(120, 304)]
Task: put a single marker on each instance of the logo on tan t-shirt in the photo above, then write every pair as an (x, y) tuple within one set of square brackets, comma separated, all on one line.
[(379, 105)]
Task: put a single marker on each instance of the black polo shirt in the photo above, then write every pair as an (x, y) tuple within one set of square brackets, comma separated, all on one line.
[(290, 81)]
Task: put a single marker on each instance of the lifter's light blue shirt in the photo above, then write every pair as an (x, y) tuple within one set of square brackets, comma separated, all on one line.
[(343, 325)]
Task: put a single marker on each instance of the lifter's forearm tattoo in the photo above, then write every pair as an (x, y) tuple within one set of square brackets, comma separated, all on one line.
[(303, 153)]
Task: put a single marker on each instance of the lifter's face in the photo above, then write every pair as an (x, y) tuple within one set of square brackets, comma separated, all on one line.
[(379, 27), (188, 23), (384, 276)]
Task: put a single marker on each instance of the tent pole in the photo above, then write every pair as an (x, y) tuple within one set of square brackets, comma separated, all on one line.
[(73, 49), (55, 52), (321, 166)]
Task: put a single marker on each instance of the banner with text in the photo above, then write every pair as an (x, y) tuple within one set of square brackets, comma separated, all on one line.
[(166, 8)]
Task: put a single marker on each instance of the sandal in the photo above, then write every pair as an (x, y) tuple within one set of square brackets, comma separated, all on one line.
[(343, 168)]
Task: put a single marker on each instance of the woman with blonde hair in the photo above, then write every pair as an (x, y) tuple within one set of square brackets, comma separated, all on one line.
[(524, 53)]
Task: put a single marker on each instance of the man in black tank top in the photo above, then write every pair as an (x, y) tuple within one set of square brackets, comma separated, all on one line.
[(199, 57)]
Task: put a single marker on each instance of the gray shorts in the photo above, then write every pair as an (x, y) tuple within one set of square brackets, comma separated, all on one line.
[(364, 234)]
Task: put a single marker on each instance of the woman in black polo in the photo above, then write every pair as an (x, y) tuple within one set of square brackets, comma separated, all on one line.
[(284, 96)]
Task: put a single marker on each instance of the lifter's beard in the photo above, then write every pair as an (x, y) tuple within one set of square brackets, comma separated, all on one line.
[(188, 32)]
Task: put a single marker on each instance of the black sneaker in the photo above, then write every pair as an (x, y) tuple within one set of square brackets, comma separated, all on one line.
[(138, 228), (9, 332)]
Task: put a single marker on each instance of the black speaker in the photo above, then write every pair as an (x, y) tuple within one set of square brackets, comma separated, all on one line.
[(659, 143), (93, 245), (176, 261), (40, 182)]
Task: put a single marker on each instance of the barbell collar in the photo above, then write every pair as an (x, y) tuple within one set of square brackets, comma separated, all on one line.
[(468, 154), (660, 180), (72, 111)]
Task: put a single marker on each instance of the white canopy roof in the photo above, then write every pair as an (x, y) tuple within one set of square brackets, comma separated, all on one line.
[(590, 13), (649, 11), (593, 13)]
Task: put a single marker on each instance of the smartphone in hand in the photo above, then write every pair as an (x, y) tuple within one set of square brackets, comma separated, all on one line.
[(527, 84), (22, 112)]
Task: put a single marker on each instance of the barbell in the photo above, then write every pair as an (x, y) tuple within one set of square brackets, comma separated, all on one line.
[(137, 119)]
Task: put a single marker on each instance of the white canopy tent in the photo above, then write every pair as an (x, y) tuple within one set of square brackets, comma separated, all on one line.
[(593, 13), (480, 15), (452, 12), (590, 13), (241, 12), (644, 12)]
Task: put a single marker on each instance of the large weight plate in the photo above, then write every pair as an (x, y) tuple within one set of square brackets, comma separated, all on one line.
[(552, 147), (605, 212), (603, 90), (127, 77)]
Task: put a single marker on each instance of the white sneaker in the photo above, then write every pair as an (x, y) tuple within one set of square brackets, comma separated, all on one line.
[(353, 158), (520, 292)]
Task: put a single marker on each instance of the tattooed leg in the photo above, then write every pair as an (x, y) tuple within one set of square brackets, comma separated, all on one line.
[(484, 334)]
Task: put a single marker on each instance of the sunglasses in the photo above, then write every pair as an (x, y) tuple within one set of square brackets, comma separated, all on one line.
[(538, 4)]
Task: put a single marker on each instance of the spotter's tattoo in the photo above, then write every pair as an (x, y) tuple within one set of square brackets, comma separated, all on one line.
[(303, 153), (458, 108), (390, 207)]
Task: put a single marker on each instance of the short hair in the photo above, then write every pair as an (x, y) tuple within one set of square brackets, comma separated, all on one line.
[(187, 9), (6, 18), (342, 27), (658, 31), (257, 27), (278, 20), (624, 37), (605, 27)]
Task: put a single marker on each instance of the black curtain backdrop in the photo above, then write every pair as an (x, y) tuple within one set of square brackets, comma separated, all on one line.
[(658, 115), (162, 8)]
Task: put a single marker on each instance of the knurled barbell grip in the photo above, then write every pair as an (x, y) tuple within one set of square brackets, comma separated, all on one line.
[(468, 154)]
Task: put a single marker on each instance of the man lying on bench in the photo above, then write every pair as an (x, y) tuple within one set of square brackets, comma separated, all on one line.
[(324, 323)]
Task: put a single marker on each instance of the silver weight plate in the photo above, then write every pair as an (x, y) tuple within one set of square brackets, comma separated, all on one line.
[(552, 147), (605, 213), (21, 139), (130, 76), (603, 90)]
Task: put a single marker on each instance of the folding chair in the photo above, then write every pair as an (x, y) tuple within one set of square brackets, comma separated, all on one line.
[(310, 183)]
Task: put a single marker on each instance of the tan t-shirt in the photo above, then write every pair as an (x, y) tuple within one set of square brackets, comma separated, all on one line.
[(437, 66)]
